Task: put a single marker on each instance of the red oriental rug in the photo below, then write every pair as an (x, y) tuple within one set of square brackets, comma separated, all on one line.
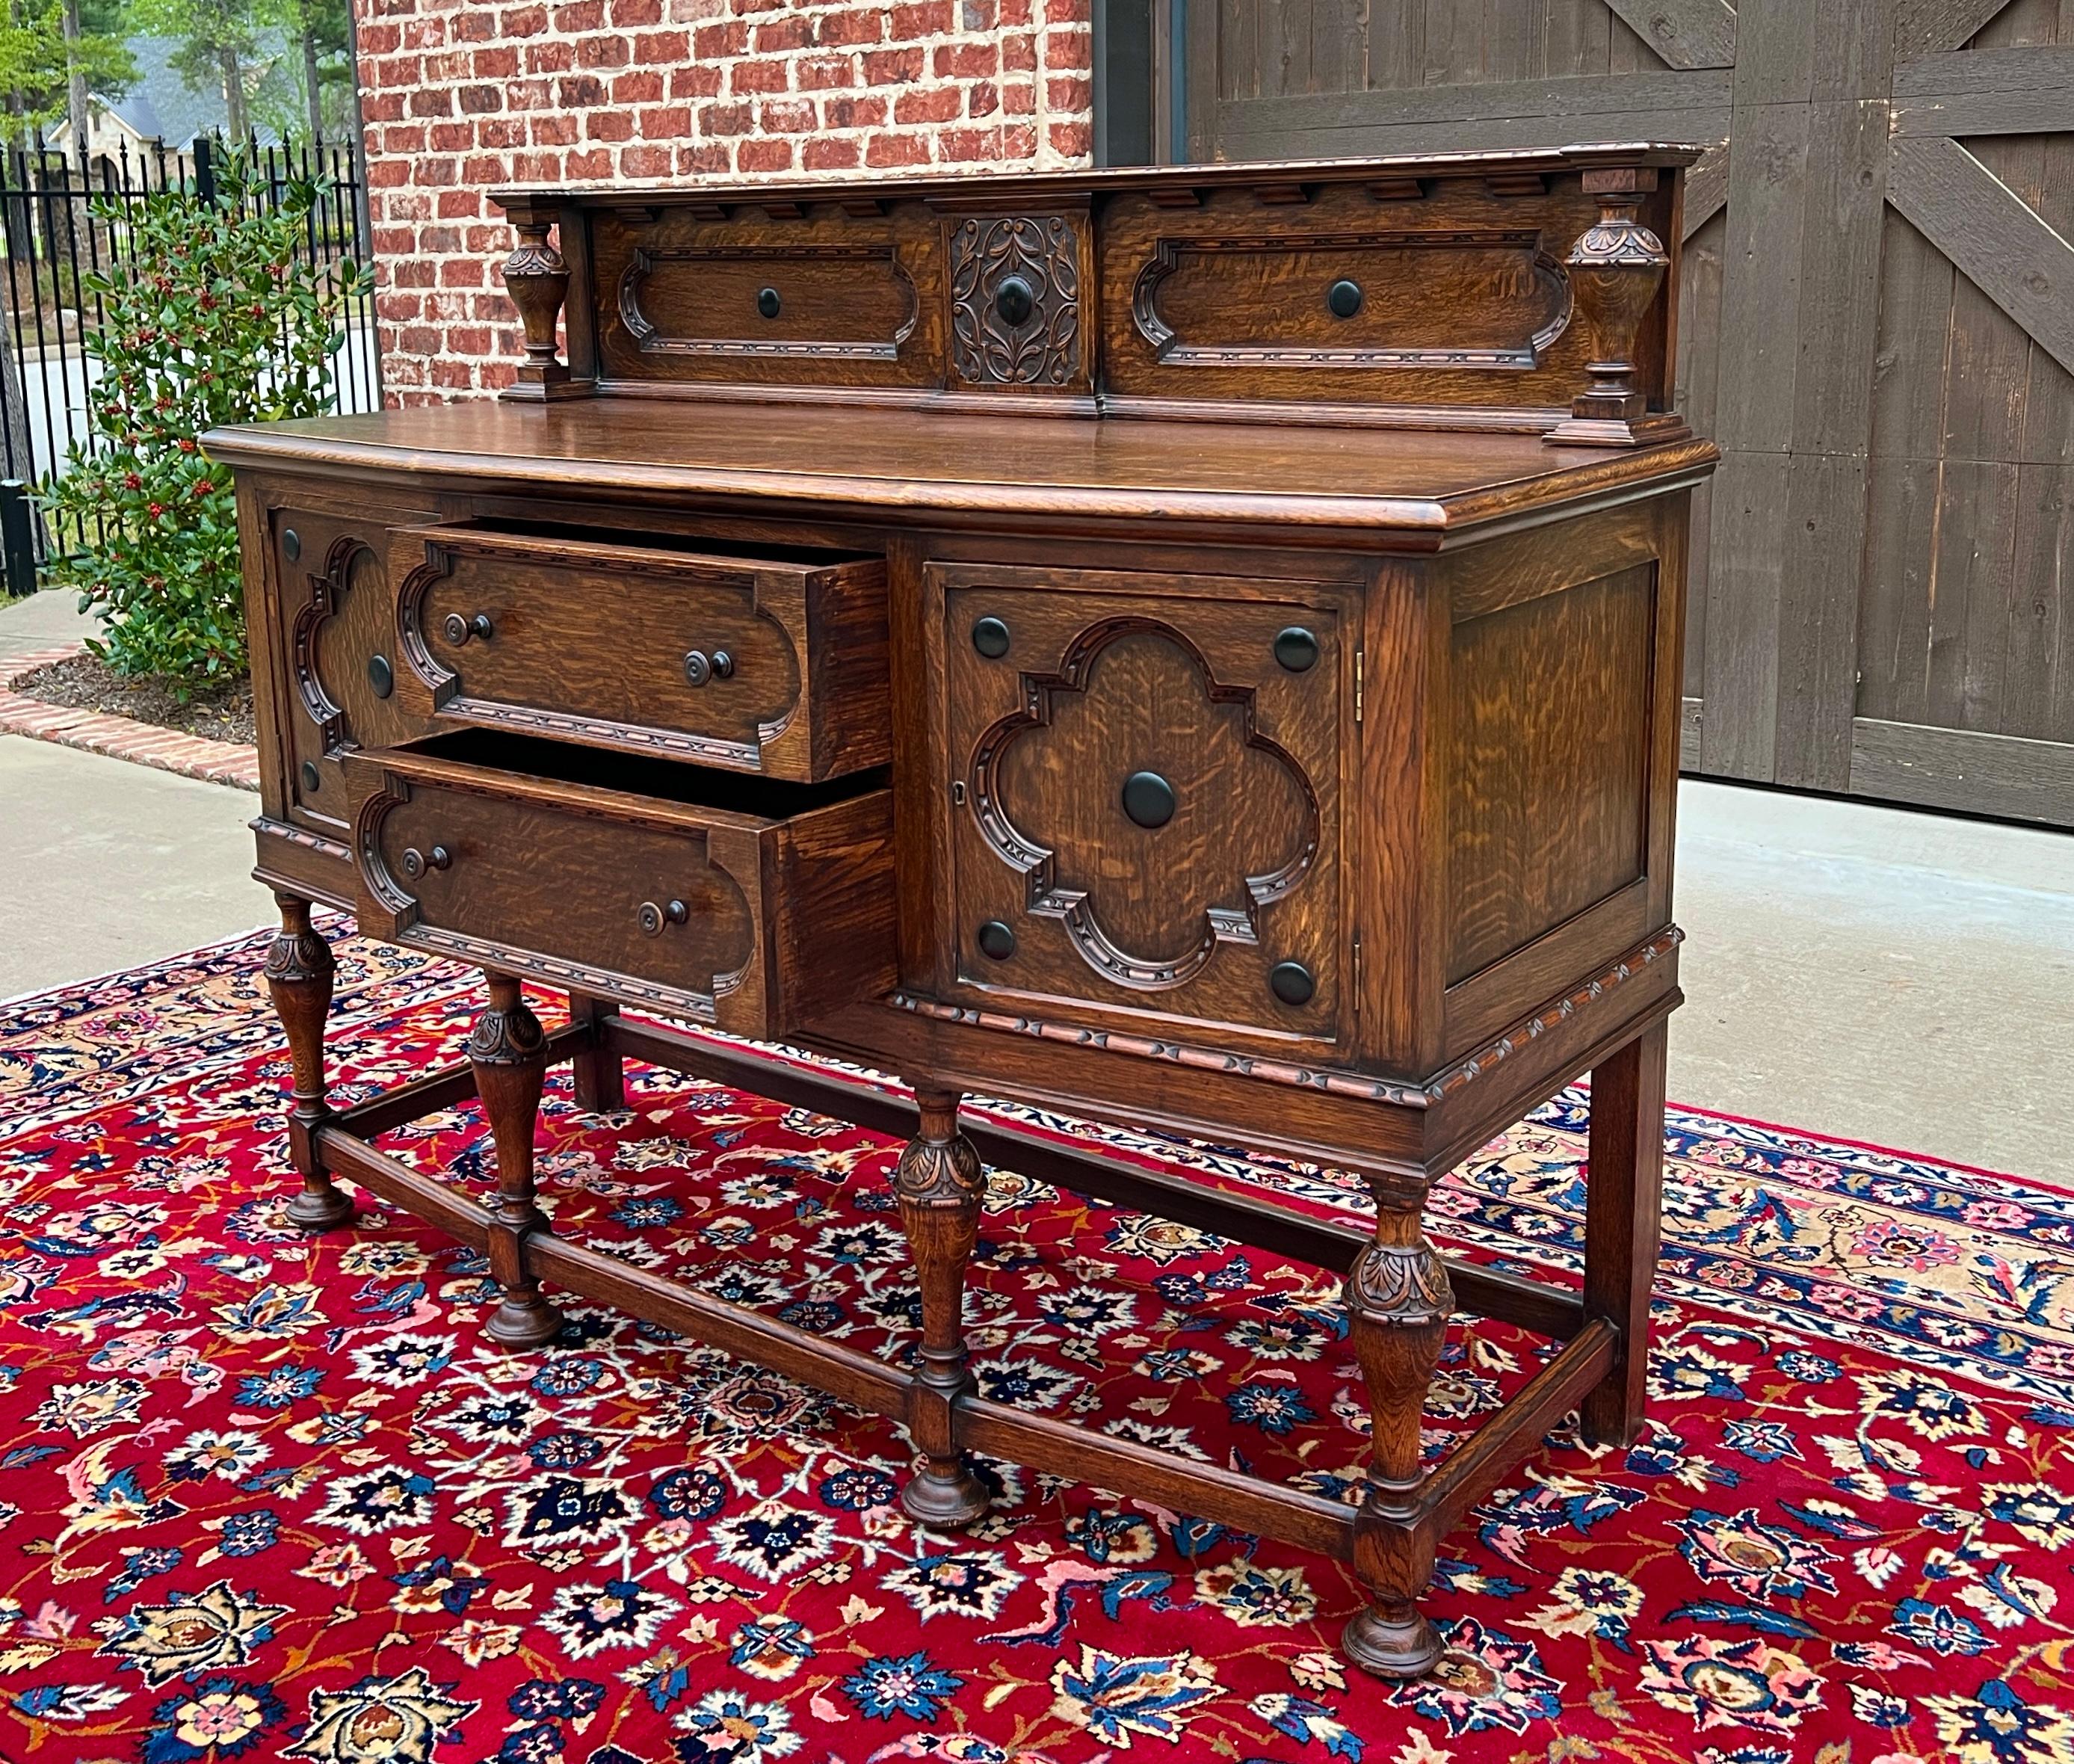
[(262, 1497)]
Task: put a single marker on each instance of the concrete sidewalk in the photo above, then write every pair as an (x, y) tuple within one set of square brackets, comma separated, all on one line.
[(1868, 973)]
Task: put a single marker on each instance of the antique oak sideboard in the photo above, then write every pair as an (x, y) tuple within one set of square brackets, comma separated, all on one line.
[(1195, 648)]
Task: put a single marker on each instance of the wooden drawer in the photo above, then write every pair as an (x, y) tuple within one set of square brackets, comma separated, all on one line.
[(745, 904), (771, 663), (1144, 811)]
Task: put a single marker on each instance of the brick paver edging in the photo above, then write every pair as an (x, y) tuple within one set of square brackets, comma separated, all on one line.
[(119, 737)]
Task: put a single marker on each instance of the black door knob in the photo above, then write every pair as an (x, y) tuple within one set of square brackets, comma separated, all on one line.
[(381, 675), (768, 304), (1013, 300), (459, 629), (291, 543), (989, 637), (652, 917), (1296, 649), (312, 778), (997, 940), (1148, 799), (1344, 299), (1291, 981), (417, 862)]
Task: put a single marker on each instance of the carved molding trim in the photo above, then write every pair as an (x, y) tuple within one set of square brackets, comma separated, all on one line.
[(327, 590), (1333, 1080), (1041, 251), (1170, 349), (289, 833), (650, 341), (1045, 898)]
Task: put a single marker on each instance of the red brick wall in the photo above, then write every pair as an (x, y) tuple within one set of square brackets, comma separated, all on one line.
[(462, 96)]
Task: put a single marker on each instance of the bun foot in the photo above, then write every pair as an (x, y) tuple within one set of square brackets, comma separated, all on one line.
[(323, 1209), (944, 1502), (524, 1321), (1392, 1640)]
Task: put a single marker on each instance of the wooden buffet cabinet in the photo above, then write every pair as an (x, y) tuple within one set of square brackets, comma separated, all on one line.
[(1197, 648)]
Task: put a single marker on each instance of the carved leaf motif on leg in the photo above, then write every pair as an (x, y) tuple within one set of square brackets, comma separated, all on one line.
[(299, 973), (508, 1049)]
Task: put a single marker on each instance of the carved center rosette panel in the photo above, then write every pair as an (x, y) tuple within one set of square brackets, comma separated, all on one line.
[(1016, 301), (1147, 801)]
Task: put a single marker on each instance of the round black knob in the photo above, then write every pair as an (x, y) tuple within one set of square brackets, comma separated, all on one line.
[(1344, 299), (417, 862), (723, 665), (291, 543), (459, 629), (1148, 799), (312, 778), (1014, 301), (997, 940), (1291, 981), (989, 637), (652, 917), (381, 675), (768, 304), (1296, 649)]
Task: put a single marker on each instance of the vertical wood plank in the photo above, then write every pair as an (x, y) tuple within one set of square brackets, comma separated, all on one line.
[(1738, 738)]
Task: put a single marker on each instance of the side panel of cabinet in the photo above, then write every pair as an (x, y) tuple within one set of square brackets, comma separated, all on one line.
[(1142, 790)]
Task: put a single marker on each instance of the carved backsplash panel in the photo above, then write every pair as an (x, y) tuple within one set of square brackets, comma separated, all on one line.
[(1016, 301)]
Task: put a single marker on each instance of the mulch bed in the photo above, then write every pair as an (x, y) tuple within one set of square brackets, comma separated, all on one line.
[(86, 683)]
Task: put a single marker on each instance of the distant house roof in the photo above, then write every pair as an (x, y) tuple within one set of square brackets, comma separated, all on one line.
[(160, 105)]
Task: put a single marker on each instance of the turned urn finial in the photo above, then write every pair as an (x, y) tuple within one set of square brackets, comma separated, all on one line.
[(1616, 268), (537, 277)]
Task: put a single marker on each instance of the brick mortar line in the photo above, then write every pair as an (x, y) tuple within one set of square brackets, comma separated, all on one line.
[(229, 763)]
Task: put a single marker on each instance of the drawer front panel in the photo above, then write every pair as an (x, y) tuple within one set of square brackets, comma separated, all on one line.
[(1150, 821), (337, 639), (749, 925), (761, 665), (823, 298)]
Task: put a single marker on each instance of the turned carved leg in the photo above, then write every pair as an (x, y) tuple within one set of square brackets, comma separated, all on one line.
[(1623, 1207), (299, 979), (940, 1184), (508, 1050), (601, 1080), (1398, 1301)]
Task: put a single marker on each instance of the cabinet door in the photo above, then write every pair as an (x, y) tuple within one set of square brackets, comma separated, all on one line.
[(1143, 793)]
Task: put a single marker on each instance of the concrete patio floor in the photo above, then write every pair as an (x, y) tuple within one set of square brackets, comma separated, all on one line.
[(1868, 972)]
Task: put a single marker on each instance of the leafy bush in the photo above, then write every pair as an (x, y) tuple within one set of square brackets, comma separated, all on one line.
[(212, 316)]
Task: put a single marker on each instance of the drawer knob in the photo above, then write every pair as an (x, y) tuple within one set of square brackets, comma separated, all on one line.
[(417, 862), (381, 675), (1148, 799), (1291, 981), (291, 543), (699, 668), (312, 778), (1014, 301), (989, 637), (995, 941), (1342, 299), (1296, 649), (652, 917), (460, 629), (768, 304)]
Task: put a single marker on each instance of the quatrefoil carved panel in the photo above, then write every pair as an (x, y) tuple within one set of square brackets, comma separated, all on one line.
[(1145, 907)]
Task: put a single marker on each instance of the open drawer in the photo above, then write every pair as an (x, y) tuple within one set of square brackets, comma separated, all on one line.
[(771, 661), (736, 902)]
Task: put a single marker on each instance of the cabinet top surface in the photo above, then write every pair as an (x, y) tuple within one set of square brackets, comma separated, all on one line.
[(959, 464), (993, 187)]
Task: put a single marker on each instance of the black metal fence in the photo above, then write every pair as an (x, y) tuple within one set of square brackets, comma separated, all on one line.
[(53, 244)]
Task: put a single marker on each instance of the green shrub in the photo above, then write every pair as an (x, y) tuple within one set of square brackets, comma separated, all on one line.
[(213, 317)]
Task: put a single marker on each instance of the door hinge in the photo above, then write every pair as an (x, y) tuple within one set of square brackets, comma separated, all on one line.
[(1357, 974), (1360, 655)]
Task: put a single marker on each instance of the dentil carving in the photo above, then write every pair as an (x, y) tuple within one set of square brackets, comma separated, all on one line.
[(1016, 301)]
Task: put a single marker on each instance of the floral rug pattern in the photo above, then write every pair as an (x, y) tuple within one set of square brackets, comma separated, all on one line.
[(267, 1497)]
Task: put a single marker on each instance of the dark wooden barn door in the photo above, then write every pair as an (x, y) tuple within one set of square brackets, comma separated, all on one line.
[(1878, 330)]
